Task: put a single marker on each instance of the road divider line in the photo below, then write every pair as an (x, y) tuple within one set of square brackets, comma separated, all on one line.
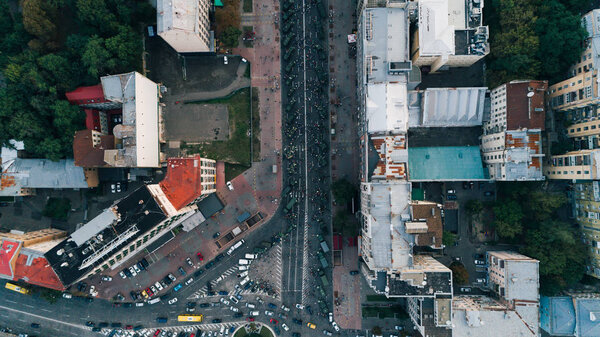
[(44, 318)]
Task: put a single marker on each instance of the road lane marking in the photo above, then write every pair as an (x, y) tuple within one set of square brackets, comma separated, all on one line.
[(45, 318)]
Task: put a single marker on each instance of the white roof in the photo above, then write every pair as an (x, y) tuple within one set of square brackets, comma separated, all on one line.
[(95, 226), (389, 209), (386, 108), (385, 40), (140, 129), (442, 107), (522, 280), (436, 34), (177, 14), (41, 173)]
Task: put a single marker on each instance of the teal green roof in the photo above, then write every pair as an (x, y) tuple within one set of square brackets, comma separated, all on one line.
[(445, 163), (417, 194), (218, 3)]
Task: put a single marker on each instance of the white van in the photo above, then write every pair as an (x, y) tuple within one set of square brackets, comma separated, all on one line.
[(244, 281), (235, 246), (250, 256), (222, 329), (254, 313), (250, 305), (154, 300), (243, 268), (242, 262), (243, 274), (139, 304)]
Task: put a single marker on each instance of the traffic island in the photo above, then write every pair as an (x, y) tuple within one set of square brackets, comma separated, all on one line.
[(254, 330)]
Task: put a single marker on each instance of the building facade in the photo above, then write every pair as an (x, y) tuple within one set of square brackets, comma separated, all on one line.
[(586, 208), (575, 165), (185, 25)]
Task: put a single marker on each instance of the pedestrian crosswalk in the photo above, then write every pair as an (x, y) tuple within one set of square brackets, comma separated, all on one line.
[(175, 329)]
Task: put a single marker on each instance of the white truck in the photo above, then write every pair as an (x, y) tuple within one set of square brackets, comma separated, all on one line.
[(235, 246)]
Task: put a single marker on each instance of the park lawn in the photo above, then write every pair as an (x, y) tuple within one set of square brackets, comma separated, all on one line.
[(236, 149), (234, 170), (247, 6)]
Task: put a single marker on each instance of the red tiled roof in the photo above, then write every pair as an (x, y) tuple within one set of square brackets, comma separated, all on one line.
[(183, 182), (518, 114), (9, 250), (37, 272), (83, 95)]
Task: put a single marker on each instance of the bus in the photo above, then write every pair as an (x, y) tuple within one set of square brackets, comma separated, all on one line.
[(16, 288), (189, 318)]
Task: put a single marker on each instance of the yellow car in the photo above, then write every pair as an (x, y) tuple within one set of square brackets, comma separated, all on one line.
[(311, 325), (145, 294)]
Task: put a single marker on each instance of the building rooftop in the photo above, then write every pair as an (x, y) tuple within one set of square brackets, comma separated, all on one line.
[(588, 317), (430, 214), (139, 132), (521, 275), (389, 209), (386, 108), (393, 157), (591, 22), (87, 95), (86, 154), (386, 48), (9, 251), (557, 315), (436, 34), (444, 107), (523, 155), (32, 267), (523, 111), (426, 277), (183, 182), (450, 163), (135, 214), (482, 316), (210, 205), (177, 15)]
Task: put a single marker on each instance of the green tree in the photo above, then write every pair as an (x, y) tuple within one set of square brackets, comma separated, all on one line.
[(508, 216), (474, 206), (460, 275), (38, 19), (541, 204), (96, 14), (448, 238), (231, 36), (95, 56), (562, 256), (343, 191), (125, 49)]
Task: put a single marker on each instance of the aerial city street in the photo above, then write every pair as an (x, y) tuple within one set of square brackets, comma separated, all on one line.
[(358, 168)]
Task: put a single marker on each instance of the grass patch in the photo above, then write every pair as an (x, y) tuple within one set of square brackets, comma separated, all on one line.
[(264, 332), (57, 208), (384, 312), (379, 298), (237, 148), (247, 6), (245, 31), (234, 170), (247, 71)]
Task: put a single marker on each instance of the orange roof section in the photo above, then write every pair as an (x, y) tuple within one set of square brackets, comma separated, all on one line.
[(183, 181), (37, 272)]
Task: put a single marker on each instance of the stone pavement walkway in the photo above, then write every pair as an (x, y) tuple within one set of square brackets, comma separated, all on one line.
[(348, 313)]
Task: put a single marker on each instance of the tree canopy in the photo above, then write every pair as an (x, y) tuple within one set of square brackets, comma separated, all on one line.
[(343, 191), (42, 59), (537, 39)]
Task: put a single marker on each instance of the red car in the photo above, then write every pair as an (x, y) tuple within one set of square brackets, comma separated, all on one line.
[(157, 333), (129, 327), (149, 292), (273, 321), (250, 319), (200, 257)]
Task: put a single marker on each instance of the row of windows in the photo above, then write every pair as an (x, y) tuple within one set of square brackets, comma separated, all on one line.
[(585, 128), (567, 172)]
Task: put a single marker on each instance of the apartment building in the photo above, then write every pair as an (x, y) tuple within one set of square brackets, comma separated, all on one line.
[(511, 143), (575, 165), (586, 208), (574, 315), (185, 25), (125, 107), (450, 33), (514, 278)]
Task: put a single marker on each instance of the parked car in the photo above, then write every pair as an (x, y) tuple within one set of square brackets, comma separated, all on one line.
[(451, 197), (327, 333), (132, 271), (224, 301), (481, 280), (122, 274), (479, 262), (178, 287), (285, 327), (106, 278), (189, 262), (234, 309), (229, 184), (158, 286), (465, 289), (311, 325), (67, 295), (335, 326), (173, 300), (284, 308), (269, 313), (181, 271), (299, 306), (172, 277), (225, 61)]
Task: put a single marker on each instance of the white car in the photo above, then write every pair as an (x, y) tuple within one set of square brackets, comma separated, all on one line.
[(67, 295), (122, 274), (173, 300), (224, 301), (106, 278), (244, 60), (153, 288), (299, 306), (132, 271), (285, 327), (234, 309), (233, 299), (250, 305), (189, 281), (284, 308), (158, 286), (243, 268), (481, 280), (225, 61), (331, 317), (93, 291), (230, 185), (137, 269), (335, 326), (268, 313)]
